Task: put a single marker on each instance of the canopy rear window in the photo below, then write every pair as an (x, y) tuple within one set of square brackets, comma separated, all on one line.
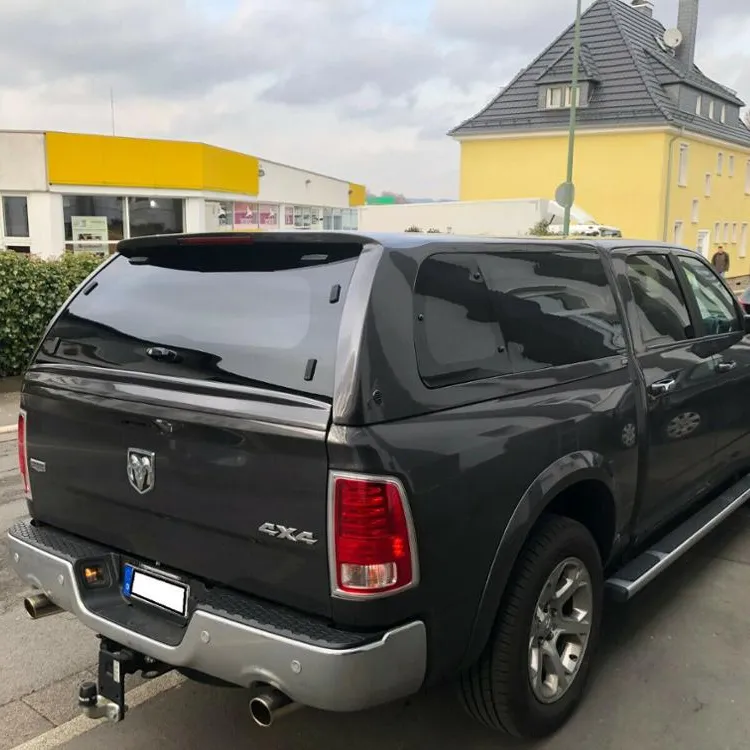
[(264, 313)]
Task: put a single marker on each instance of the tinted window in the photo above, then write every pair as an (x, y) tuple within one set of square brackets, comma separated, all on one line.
[(662, 314), (155, 216), (259, 313), (456, 333), (555, 308), (717, 309), (16, 213)]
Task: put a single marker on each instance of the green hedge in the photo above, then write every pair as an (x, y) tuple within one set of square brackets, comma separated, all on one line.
[(31, 292)]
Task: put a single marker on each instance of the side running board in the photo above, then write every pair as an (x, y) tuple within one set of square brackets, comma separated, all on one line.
[(634, 576)]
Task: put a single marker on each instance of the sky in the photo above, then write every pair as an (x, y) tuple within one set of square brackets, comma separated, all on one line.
[(364, 90)]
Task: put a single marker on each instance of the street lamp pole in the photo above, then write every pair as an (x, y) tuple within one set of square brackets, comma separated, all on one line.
[(573, 112)]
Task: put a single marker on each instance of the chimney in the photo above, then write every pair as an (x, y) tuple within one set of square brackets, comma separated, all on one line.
[(644, 6), (687, 23)]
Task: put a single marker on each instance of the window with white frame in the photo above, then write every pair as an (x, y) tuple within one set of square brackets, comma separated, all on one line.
[(699, 105), (678, 232), (723, 112), (743, 241), (95, 223), (682, 171), (711, 109), (731, 165), (717, 232), (726, 231), (561, 97), (695, 212), (14, 223), (720, 164), (708, 185), (734, 233)]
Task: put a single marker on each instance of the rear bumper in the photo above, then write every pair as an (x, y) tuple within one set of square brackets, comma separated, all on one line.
[(330, 670)]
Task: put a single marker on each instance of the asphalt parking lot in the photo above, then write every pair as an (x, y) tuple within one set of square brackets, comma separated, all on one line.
[(674, 672)]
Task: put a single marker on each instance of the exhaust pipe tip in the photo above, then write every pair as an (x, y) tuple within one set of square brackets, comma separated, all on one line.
[(40, 605), (269, 705), (261, 712)]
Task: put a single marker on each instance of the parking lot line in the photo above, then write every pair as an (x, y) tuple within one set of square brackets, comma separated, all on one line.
[(82, 724)]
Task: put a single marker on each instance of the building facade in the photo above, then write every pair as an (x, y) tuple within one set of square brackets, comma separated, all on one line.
[(73, 192), (661, 150)]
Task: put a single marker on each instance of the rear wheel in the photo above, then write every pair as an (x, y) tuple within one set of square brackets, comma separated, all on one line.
[(533, 672)]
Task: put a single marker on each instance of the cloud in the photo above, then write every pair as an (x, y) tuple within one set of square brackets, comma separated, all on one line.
[(362, 89)]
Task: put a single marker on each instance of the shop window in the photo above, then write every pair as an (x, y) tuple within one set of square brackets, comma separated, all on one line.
[(245, 216), (155, 215), (327, 219), (93, 223), (219, 216), (288, 216), (268, 216), (15, 215)]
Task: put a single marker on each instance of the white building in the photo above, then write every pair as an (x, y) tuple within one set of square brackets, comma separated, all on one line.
[(67, 191)]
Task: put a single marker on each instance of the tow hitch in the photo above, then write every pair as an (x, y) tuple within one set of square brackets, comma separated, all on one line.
[(106, 700)]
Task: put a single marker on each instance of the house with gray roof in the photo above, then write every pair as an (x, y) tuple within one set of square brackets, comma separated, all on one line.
[(661, 150)]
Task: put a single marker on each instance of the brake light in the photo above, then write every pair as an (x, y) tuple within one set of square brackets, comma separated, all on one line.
[(225, 239), (23, 458), (373, 550)]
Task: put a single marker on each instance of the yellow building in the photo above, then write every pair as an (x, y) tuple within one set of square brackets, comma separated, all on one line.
[(661, 150)]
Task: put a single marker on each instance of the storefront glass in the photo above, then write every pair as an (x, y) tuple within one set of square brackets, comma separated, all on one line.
[(93, 223), (156, 215), (15, 213)]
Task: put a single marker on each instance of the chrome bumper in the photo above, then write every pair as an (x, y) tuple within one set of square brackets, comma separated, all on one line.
[(328, 679)]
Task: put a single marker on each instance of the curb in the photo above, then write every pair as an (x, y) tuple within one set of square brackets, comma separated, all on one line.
[(8, 429)]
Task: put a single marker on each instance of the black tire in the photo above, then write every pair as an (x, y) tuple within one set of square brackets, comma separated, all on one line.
[(497, 690)]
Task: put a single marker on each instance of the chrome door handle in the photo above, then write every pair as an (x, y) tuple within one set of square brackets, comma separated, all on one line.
[(662, 387), (726, 366)]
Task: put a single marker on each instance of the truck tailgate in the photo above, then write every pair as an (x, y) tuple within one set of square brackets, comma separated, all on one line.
[(217, 475)]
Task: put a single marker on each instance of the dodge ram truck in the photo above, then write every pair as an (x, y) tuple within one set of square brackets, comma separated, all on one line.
[(335, 469)]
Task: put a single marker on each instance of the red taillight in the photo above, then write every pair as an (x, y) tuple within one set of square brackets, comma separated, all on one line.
[(23, 459), (373, 542)]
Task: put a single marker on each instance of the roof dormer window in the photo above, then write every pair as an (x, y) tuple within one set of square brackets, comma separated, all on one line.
[(711, 109), (561, 97)]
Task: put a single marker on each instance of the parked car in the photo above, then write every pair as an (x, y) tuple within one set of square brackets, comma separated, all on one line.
[(339, 468)]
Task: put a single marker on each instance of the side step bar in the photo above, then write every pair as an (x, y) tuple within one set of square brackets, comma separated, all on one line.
[(634, 576)]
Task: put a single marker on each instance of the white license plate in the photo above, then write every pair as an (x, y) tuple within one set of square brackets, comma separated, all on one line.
[(158, 591)]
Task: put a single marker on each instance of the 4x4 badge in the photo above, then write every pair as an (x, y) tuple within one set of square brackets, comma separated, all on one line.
[(141, 470)]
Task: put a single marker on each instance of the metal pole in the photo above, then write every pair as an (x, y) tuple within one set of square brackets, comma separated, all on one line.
[(112, 107), (573, 112)]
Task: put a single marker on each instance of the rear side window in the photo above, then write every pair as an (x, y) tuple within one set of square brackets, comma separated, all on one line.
[(555, 308), (263, 313), (456, 334), (662, 313)]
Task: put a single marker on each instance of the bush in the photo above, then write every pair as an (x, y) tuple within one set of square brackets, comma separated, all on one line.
[(541, 229), (31, 292)]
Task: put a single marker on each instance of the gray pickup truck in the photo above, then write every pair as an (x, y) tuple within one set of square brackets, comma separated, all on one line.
[(336, 469)]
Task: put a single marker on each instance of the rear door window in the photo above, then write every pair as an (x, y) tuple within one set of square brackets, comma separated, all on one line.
[(555, 307), (456, 333), (663, 315), (265, 313)]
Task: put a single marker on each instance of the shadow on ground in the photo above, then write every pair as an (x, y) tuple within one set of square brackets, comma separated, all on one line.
[(632, 703)]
